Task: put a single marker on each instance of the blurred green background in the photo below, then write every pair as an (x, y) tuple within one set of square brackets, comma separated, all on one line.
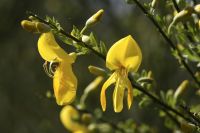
[(24, 107)]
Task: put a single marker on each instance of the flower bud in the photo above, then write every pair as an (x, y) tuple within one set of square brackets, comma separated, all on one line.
[(95, 18), (153, 3), (96, 71), (35, 27), (197, 9), (184, 14), (181, 88), (149, 74), (85, 39), (180, 47), (28, 26), (181, 16)]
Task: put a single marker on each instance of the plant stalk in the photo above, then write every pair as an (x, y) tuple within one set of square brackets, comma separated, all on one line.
[(172, 45)]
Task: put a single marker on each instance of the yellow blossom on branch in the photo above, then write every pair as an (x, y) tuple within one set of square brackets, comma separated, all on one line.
[(64, 80), (123, 57)]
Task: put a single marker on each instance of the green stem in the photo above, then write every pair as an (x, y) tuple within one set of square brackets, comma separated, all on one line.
[(156, 100), (173, 118), (84, 28), (172, 45), (68, 35), (187, 110)]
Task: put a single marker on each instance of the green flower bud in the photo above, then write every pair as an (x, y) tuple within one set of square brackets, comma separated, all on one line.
[(181, 88), (85, 39), (149, 75), (181, 16), (153, 3), (180, 47), (96, 71)]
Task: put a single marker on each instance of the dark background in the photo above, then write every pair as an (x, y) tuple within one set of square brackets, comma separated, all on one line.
[(24, 107)]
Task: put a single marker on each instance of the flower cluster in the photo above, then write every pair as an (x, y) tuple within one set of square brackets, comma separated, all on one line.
[(123, 57)]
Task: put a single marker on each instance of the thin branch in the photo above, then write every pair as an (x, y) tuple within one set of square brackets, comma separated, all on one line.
[(135, 85), (187, 110), (68, 35), (172, 45), (172, 118), (156, 100)]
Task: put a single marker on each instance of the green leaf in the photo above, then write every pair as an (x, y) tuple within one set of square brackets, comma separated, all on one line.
[(103, 48)]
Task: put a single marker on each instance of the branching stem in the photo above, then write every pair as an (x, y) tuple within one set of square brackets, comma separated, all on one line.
[(172, 45), (185, 25), (68, 35), (163, 105)]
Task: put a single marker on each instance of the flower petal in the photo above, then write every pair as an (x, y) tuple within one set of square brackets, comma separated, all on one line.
[(130, 93), (50, 50), (67, 116), (108, 82), (65, 83), (118, 96), (124, 53)]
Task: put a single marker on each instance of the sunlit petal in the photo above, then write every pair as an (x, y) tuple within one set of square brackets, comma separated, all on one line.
[(124, 53), (132, 63), (65, 83), (50, 50), (130, 93), (118, 96), (109, 81)]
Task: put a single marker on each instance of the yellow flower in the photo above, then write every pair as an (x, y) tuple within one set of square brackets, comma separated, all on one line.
[(64, 80), (69, 118), (123, 57)]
